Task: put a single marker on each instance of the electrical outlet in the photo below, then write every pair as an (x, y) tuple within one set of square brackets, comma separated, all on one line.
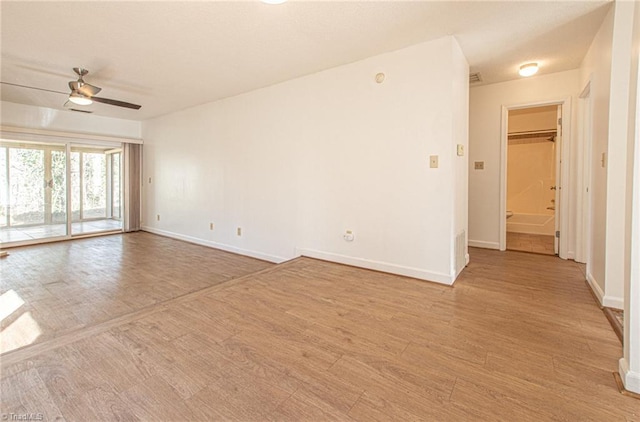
[(478, 165), (210, 226), (239, 231), (348, 236), (158, 217), (433, 161), (149, 179)]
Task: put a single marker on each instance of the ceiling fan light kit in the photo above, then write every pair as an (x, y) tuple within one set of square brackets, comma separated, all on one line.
[(79, 99)]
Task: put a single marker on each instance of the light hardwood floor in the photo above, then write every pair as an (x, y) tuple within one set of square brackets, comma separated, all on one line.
[(536, 243), (519, 338)]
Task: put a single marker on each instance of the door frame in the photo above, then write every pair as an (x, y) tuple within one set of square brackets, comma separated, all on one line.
[(584, 174), (562, 208)]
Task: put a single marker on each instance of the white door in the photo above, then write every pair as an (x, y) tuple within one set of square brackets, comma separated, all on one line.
[(558, 183)]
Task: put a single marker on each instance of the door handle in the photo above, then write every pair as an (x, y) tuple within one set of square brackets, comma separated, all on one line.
[(552, 188)]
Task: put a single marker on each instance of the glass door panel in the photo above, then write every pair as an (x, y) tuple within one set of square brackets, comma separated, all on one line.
[(58, 187), (94, 183), (26, 186), (32, 191), (95, 189)]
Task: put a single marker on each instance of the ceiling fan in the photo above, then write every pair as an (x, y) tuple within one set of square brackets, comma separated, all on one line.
[(83, 93)]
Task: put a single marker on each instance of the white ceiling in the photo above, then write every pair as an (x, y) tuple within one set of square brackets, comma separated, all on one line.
[(168, 56)]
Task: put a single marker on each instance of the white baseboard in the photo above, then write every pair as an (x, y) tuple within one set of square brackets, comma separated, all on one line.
[(631, 380), (378, 266), (613, 302), (608, 301), (466, 259), (215, 245), (595, 288), (483, 244)]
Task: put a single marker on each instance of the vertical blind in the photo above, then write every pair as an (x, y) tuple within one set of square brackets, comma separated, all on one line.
[(133, 181)]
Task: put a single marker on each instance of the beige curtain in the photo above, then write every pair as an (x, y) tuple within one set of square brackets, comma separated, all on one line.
[(133, 183)]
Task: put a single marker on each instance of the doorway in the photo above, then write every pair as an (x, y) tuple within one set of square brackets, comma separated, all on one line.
[(53, 191), (532, 174), (96, 189), (531, 179)]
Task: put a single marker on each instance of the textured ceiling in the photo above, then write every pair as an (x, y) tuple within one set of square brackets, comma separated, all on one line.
[(168, 56)]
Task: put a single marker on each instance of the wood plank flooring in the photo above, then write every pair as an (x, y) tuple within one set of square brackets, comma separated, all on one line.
[(68, 286), (536, 243), (519, 338)]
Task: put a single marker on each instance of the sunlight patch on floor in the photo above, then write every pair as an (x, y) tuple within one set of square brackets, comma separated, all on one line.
[(21, 332), (10, 302)]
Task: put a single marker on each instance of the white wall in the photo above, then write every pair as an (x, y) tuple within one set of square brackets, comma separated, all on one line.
[(298, 163), (596, 71), (27, 116), (485, 114), (460, 127), (617, 153)]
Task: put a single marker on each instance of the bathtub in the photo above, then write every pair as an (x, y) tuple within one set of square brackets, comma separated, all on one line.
[(531, 224)]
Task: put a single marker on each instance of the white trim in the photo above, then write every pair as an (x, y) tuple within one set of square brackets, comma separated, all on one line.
[(608, 301), (565, 177), (571, 255), (467, 259), (630, 379), (583, 144), (378, 266), (483, 244), (215, 245), (595, 288), (66, 135), (502, 214), (613, 302)]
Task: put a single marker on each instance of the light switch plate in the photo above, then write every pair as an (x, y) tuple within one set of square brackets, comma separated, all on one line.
[(433, 161), (460, 150)]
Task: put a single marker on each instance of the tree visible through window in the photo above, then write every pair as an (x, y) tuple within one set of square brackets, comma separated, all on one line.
[(94, 182), (27, 185)]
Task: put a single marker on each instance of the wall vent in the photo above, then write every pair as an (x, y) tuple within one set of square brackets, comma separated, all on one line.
[(475, 77)]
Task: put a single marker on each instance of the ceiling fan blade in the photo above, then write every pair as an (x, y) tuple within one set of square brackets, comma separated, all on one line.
[(88, 90), (84, 88), (33, 87), (116, 103)]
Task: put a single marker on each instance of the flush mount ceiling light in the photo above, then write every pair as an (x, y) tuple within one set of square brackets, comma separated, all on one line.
[(528, 69), (273, 1), (79, 99)]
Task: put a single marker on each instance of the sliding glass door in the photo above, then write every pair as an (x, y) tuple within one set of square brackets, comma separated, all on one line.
[(95, 189), (36, 197), (33, 191)]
